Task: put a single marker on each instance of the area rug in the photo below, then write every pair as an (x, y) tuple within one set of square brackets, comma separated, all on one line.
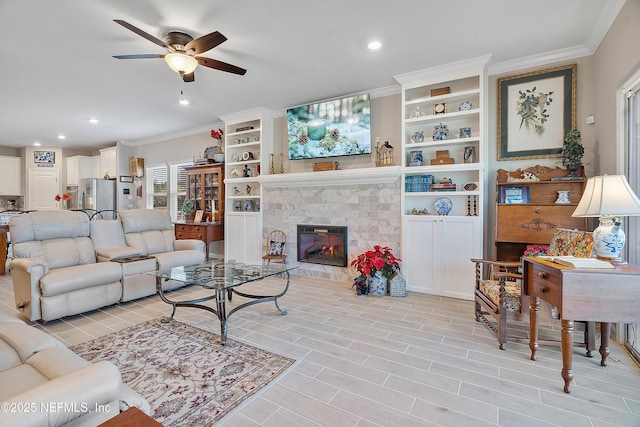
[(182, 370)]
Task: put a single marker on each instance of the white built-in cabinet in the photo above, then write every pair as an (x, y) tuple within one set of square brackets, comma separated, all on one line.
[(243, 237), (10, 181), (442, 230), (80, 167), (248, 146), (436, 251)]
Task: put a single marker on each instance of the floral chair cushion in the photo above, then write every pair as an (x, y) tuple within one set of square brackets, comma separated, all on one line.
[(571, 242), (491, 288)]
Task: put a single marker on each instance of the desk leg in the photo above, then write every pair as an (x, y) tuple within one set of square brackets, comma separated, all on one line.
[(534, 306), (605, 332), (567, 353)]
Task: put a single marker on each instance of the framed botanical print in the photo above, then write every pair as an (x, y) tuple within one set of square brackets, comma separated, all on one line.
[(48, 157), (535, 111)]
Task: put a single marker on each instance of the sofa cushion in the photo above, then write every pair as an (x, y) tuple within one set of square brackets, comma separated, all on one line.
[(68, 279), (68, 252), (21, 378), (179, 258), (148, 230)]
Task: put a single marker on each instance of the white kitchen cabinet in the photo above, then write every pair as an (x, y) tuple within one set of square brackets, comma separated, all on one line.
[(79, 167), (437, 252), (108, 162), (11, 176), (243, 237)]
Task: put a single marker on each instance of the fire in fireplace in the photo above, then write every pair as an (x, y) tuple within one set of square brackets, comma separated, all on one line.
[(322, 244)]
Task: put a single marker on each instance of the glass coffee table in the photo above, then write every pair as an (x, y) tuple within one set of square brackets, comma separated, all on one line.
[(223, 279)]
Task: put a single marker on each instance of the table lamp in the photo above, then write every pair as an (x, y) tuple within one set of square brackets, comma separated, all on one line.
[(608, 197)]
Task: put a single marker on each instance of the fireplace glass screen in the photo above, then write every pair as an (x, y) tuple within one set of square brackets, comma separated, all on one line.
[(322, 244)]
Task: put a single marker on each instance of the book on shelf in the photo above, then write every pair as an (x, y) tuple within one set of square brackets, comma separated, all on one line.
[(571, 261)]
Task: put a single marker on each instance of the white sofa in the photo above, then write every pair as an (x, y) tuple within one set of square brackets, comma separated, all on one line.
[(43, 383), (63, 262)]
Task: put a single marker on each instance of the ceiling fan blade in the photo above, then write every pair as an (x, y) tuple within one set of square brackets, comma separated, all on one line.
[(205, 43), (144, 34), (189, 77), (219, 65), (139, 56)]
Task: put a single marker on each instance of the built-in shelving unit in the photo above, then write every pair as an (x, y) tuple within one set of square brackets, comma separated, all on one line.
[(442, 230), (248, 142)]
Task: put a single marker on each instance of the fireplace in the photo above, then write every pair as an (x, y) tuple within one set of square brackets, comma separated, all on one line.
[(322, 244)]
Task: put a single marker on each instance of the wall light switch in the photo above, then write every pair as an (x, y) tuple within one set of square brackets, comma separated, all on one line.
[(589, 120)]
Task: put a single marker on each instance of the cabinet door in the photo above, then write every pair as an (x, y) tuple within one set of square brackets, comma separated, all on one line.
[(459, 241), (73, 170), (253, 238), (243, 237), (11, 176), (43, 187), (420, 254), (108, 162), (234, 237)]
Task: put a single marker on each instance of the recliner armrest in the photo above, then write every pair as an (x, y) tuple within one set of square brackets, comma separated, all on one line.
[(188, 244), (68, 397), (29, 264)]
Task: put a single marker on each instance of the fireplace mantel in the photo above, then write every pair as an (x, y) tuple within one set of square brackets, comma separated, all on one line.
[(381, 175)]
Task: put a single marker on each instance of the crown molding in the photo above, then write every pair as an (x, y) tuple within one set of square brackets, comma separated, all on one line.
[(609, 13), (543, 59), (172, 135)]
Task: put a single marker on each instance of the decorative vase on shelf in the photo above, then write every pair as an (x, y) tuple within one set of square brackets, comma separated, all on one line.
[(563, 197), (573, 169), (64, 205), (378, 284), (440, 132)]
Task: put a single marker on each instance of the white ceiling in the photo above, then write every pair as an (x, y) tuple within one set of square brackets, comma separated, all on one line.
[(58, 70)]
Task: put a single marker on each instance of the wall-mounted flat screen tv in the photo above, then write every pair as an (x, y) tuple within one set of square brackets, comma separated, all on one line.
[(339, 127)]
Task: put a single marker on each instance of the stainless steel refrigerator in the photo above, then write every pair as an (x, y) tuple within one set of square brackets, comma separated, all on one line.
[(98, 194)]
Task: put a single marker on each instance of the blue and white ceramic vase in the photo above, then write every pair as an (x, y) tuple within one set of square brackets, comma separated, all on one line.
[(415, 158), (609, 238), (418, 136), (378, 284), (440, 132)]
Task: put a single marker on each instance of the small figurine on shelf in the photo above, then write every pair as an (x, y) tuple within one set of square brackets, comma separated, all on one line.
[(236, 191), (272, 168), (281, 162), (246, 172), (248, 190)]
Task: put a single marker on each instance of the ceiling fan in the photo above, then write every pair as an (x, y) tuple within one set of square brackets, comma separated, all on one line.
[(182, 50)]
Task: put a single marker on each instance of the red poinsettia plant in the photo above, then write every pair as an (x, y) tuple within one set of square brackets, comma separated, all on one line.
[(217, 134), (65, 196), (379, 259)]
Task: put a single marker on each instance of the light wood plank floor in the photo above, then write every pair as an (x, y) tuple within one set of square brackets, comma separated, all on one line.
[(366, 361)]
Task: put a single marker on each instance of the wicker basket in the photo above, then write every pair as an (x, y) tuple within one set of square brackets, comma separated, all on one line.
[(398, 286)]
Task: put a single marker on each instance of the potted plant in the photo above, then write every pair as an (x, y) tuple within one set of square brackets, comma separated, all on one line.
[(187, 208), (572, 152), (376, 267)]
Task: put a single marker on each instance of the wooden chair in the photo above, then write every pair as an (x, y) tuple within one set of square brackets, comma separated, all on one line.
[(501, 293), (275, 248)]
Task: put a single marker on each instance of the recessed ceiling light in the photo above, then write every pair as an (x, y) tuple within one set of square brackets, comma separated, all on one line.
[(374, 45), (183, 101), (37, 144), (62, 137), (93, 121)]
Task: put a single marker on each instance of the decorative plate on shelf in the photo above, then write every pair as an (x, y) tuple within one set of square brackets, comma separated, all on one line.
[(444, 206), (465, 106)]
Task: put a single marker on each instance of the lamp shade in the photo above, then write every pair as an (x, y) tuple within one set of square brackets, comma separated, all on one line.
[(608, 195), (181, 63)]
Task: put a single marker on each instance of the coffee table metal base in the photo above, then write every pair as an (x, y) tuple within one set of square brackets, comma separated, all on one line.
[(221, 295)]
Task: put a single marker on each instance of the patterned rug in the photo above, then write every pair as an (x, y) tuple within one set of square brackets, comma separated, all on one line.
[(185, 374)]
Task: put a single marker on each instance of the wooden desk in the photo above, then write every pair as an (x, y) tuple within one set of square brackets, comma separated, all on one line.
[(4, 229), (598, 295), (206, 232)]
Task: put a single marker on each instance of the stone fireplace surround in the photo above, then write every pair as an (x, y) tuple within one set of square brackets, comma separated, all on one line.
[(367, 201)]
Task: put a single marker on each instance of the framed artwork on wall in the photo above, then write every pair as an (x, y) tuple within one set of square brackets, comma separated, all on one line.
[(535, 111), (48, 157)]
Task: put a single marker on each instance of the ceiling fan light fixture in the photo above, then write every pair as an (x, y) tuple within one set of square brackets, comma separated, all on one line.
[(181, 63)]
